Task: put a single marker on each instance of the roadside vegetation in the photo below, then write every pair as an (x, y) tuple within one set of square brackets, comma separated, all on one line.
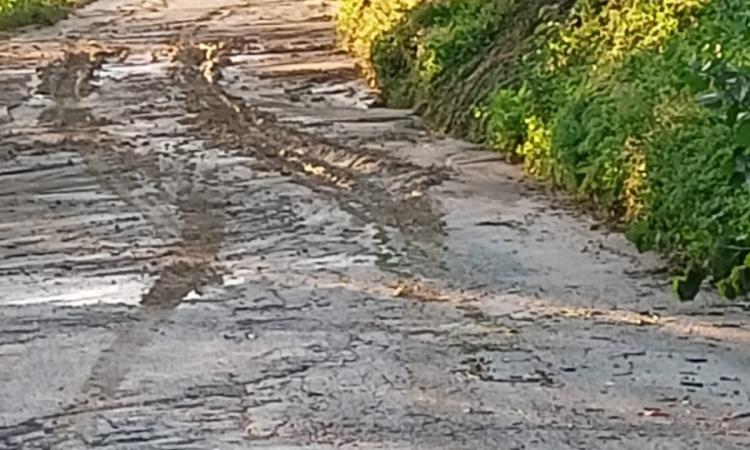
[(640, 108), (18, 13)]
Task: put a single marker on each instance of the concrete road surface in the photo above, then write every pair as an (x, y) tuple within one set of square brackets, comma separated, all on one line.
[(209, 239)]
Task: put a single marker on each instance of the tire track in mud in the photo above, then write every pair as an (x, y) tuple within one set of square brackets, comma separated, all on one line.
[(191, 222), (372, 187), (195, 228)]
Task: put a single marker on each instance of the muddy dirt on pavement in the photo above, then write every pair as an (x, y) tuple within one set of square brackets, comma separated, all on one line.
[(211, 238)]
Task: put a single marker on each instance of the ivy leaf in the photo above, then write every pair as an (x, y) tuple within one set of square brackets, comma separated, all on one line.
[(743, 279), (733, 114), (737, 180), (686, 287), (742, 136), (739, 173), (710, 100), (744, 91), (738, 283), (723, 259), (696, 83), (727, 289), (639, 234)]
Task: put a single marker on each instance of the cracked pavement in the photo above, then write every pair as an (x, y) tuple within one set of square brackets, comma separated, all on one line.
[(211, 238)]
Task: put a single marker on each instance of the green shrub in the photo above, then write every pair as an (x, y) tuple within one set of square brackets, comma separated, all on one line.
[(16, 13), (618, 85), (641, 107), (360, 23), (506, 125), (435, 37)]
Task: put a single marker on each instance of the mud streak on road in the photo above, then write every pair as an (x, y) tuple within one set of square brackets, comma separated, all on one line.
[(197, 221)]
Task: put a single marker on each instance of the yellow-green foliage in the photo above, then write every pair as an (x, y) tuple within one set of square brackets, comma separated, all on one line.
[(360, 23), (409, 48), (16, 13), (641, 107)]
